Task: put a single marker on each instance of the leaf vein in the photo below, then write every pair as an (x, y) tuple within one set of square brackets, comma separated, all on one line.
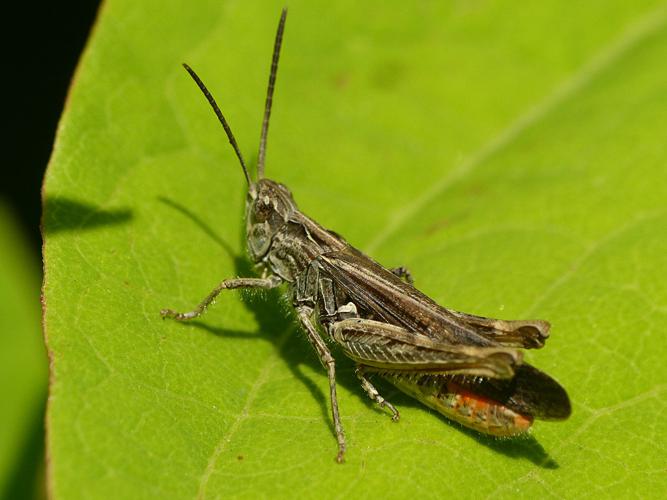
[(263, 376), (604, 59)]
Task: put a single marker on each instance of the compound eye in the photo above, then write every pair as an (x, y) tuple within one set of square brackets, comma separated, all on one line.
[(260, 212), (259, 239)]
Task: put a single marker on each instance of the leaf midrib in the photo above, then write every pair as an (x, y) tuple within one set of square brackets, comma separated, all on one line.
[(609, 55)]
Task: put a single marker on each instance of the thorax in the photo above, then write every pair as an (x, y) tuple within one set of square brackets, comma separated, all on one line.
[(297, 243)]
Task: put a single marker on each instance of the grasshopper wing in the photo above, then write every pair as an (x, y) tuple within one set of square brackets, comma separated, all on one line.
[(382, 295), (530, 392), (527, 334)]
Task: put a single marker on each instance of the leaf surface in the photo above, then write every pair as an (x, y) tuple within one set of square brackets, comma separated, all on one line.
[(510, 154)]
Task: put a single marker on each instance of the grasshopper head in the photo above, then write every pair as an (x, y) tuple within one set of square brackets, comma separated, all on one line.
[(269, 206)]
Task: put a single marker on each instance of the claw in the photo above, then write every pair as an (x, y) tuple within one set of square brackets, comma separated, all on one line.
[(340, 458)]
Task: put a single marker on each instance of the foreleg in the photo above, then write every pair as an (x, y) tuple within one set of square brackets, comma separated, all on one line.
[(266, 283)]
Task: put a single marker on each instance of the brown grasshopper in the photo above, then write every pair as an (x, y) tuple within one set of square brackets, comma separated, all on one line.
[(466, 367)]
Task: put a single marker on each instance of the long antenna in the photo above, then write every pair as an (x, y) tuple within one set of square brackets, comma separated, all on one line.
[(218, 113), (269, 93)]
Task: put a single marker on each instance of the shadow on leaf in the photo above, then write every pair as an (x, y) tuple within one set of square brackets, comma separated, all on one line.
[(198, 222), (276, 319), (65, 214), (519, 447), (278, 325), (526, 446)]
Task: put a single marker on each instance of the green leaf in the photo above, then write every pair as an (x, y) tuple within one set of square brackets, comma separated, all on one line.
[(23, 364), (511, 154)]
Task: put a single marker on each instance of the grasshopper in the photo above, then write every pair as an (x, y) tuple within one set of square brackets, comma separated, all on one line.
[(469, 368)]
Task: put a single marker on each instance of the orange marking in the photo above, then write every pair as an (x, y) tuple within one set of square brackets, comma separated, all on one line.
[(485, 415)]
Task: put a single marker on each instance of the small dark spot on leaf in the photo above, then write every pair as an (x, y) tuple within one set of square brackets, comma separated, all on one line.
[(388, 74), (437, 226), (476, 189), (341, 81), (443, 223)]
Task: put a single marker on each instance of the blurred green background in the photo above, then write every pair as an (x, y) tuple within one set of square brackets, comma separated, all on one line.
[(23, 367), (44, 43)]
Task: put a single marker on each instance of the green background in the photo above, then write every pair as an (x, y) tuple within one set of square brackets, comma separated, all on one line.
[(23, 366), (511, 154)]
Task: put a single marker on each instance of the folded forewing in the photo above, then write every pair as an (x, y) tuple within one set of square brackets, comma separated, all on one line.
[(387, 298), (528, 334), (390, 299)]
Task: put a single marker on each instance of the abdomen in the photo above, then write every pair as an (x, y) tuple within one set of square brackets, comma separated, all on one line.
[(472, 410)]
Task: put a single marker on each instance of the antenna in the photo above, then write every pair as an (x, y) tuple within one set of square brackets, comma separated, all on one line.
[(218, 113), (269, 93)]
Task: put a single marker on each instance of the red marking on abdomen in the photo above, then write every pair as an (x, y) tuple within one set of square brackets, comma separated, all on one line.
[(480, 413)]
